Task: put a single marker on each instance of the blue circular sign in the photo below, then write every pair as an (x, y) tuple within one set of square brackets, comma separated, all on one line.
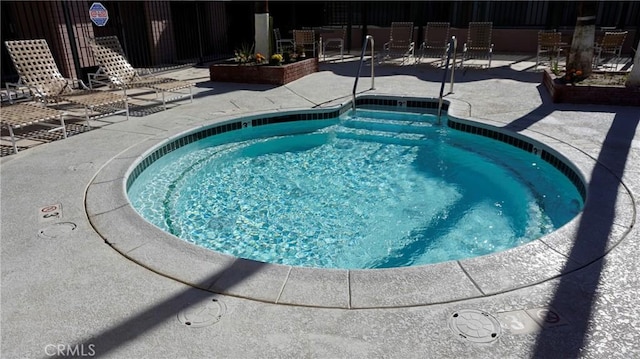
[(98, 14)]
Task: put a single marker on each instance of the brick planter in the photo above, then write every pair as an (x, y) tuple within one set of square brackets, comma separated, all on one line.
[(263, 74), (589, 94)]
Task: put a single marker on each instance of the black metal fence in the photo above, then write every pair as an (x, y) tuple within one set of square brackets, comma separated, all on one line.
[(511, 14), (161, 34)]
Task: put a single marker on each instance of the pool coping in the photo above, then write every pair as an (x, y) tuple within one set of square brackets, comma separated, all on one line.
[(110, 213)]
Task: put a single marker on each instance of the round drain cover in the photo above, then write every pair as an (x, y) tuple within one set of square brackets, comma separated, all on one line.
[(475, 326), (203, 314), (57, 230)]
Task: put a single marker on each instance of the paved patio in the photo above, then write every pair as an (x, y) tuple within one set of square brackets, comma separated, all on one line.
[(64, 291)]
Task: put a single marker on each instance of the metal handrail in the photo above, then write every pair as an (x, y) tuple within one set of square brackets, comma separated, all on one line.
[(355, 84), (451, 47)]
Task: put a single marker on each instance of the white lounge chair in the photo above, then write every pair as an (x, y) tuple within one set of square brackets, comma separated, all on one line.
[(38, 71), (116, 72)]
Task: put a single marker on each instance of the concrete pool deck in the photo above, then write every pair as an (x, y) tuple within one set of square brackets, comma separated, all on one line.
[(65, 291)]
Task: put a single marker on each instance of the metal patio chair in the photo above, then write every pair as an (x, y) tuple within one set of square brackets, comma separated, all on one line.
[(38, 71), (282, 45), (435, 43), (549, 43), (400, 44), (609, 48), (478, 45), (305, 39), (334, 40), (116, 72)]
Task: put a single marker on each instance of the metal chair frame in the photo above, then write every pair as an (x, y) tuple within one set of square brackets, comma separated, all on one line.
[(282, 44), (549, 42), (400, 42), (611, 45), (334, 39), (435, 41), (478, 45), (306, 39)]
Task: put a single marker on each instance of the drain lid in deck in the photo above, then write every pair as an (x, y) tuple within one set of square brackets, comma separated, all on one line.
[(57, 230), (475, 326), (203, 314)]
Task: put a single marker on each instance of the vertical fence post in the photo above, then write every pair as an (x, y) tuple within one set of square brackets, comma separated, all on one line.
[(198, 12), (72, 38)]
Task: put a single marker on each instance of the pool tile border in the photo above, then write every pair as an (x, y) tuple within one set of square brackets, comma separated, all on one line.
[(165, 254)]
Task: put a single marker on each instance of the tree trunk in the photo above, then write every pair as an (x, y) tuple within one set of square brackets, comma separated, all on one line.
[(581, 53), (634, 77)]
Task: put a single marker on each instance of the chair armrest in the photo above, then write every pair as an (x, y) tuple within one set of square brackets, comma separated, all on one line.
[(80, 84), (19, 89), (99, 77), (143, 72)]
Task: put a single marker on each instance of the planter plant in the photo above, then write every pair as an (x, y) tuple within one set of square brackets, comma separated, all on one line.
[(247, 67)]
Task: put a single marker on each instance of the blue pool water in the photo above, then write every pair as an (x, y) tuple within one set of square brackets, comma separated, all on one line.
[(371, 190)]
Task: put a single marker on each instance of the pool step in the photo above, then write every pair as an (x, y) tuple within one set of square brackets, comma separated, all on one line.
[(396, 126), (386, 137)]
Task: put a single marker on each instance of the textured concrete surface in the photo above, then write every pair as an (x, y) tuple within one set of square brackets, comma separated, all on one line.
[(65, 292)]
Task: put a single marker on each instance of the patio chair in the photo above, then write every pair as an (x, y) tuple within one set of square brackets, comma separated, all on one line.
[(22, 115), (334, 40), (282, 45), (549, 43), (609, 48), (116, 72), (38, 71), (478, 45), (400, 44), (305, 39), (435, 43)]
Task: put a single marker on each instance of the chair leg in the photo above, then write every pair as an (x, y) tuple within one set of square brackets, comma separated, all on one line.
[(64, 127), (86, 116), (13, 139)]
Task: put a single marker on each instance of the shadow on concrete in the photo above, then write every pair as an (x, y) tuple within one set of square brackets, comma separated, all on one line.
[(215, 88), (430, 73), (577, 293), (137, 325)]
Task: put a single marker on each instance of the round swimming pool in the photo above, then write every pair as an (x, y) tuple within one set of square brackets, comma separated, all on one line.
[(370, 189)]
